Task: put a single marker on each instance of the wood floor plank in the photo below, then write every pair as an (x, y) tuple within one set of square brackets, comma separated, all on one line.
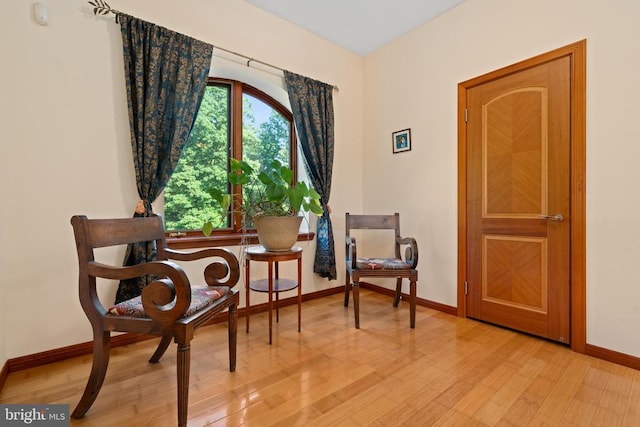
[(448, 371)]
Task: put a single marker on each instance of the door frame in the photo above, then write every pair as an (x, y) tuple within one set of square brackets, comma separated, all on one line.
[(577, 53)]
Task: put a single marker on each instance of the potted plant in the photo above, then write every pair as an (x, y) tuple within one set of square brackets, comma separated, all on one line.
[(270, 201)]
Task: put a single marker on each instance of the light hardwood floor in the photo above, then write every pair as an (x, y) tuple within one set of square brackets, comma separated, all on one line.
[(448, 371)]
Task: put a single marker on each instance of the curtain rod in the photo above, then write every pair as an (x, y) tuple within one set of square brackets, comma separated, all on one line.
[(101, 8)]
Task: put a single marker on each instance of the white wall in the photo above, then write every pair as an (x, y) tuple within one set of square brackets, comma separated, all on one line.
[(3, 330), (412, 83), (3, 265), (66, 145)]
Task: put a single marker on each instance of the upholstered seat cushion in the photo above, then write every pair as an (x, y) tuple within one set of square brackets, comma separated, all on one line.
[(382, 264), (200, 298)]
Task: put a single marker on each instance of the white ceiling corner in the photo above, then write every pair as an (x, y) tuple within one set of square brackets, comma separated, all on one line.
[(360, 26)]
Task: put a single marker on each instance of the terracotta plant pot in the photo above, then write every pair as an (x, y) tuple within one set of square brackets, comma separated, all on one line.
[(277, 233)]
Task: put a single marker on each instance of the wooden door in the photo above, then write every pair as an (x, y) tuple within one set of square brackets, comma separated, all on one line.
[(518, 200)]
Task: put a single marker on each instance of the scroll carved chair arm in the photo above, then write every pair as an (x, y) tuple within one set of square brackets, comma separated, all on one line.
[(352, 255), (217, 273), (158, 296), (411, 252)]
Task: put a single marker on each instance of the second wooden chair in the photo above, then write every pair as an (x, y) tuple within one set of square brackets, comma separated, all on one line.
[(391, 267)]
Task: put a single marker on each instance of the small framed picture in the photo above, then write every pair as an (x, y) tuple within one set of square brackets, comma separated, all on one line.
[(401, 141)]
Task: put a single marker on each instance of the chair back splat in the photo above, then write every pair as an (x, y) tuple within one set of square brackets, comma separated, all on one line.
[(391, 267), (169, 307)]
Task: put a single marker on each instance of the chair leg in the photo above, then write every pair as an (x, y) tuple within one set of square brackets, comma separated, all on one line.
[(412, 309), (184, 360), (356, 303), (101, 347), (233, 340), (347, 286), (162, 347), (396, 299)]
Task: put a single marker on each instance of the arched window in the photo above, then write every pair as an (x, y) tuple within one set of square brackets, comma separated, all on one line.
[(235, 120)]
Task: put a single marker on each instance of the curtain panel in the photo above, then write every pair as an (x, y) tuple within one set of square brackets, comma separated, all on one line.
[(312, 107), (166, 76)]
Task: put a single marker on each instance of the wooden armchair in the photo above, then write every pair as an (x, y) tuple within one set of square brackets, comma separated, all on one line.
[(168, 307), (397, 267)]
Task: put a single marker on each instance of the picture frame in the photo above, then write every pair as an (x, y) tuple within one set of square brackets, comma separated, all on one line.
[(401, 141)]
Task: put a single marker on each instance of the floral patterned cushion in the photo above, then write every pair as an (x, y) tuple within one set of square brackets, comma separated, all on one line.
[(382, 264), (200, 298)]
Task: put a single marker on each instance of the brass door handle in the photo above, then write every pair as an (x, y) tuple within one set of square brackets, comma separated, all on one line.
[(556, 217)]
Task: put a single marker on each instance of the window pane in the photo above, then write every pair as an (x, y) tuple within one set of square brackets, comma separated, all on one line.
[(265, 137), (203, 164), (265, 134)]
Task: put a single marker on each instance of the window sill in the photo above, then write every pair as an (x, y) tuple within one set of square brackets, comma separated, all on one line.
[(215, 240)]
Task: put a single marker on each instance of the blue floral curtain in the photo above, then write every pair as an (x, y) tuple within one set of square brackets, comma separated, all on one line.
[(312, 107), (166, 75)]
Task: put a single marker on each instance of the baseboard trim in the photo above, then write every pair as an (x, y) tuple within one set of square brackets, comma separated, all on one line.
[(612, 356), (82, 349), (4, 373), (63, 353), (59, 354), (259, 308), (419, 301)]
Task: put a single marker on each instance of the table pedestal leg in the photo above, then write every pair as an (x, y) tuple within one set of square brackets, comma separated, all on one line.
[(277, 296), (273, 283), (270, 292), (247, 291), (299, 292)]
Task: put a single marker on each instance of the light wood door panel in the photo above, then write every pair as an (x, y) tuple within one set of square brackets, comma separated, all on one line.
[(518, 157), (514, 147), (514, 271)]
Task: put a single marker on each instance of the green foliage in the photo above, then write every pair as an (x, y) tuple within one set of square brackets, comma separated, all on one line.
[(268, 192), (198, 192), (274, 139), (202, 165)]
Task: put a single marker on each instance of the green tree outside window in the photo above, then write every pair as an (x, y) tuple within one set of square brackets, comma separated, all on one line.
[(204, 159)]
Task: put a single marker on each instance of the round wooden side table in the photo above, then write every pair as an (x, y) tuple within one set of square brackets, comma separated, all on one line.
[(273, 283)]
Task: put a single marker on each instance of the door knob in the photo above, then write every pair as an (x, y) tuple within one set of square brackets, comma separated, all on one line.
[(556, 217)]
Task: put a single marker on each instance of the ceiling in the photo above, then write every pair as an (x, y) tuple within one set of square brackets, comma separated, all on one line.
[(360, 26)]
